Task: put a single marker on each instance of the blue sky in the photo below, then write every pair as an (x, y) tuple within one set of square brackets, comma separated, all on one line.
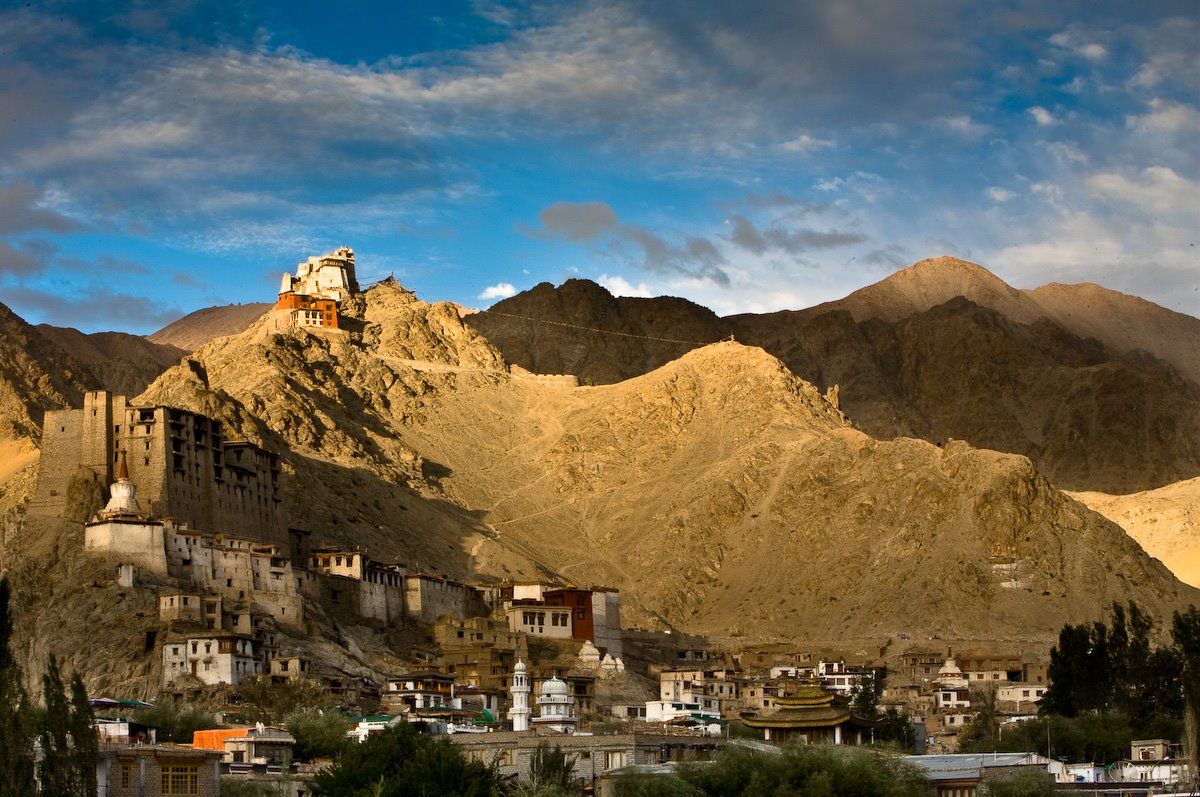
[(159, 157)]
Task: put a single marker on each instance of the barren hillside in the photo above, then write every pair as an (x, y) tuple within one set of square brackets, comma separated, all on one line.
[(1166, 522), (117, 361), (1089, 415), (35, 375), (195, 329), (721, 492)]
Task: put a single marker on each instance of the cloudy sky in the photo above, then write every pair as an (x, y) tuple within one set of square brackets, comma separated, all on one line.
[(164, 156)]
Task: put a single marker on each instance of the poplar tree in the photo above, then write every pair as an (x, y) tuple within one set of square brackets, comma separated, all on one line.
[(16, 727)]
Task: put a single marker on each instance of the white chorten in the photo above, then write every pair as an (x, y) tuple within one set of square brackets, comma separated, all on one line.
[(556, 707), (519, 692), (950, 676), (124, 494)]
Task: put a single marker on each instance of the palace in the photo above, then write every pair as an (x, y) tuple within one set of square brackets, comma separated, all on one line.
[(312, 296)]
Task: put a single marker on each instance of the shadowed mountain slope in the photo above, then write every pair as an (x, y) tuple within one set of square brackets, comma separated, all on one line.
[(197, 328)]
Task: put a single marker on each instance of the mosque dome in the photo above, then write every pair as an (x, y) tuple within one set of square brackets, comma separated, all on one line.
[(554, 688)]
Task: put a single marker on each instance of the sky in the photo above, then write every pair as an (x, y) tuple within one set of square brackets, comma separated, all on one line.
[(159, 157)]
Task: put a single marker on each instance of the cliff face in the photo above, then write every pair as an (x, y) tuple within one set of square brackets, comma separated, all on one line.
[(943, 350)]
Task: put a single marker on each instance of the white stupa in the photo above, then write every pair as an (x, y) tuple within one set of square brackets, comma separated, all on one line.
[(519, 692), (123, 500), (556, 707), (950, 676)]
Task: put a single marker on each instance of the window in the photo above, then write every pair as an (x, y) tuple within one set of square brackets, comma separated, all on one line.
[(180, 780), (126, 775), (614, 759)]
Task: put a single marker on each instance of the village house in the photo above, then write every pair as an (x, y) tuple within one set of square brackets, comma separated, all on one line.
[(213, 658), (154, 770), (419, 690)]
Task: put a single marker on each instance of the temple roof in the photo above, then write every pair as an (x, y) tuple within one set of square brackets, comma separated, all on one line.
[(806, 705)]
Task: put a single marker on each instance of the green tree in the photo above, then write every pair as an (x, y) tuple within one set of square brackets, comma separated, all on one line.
[(982, 733), (1025, 784), (84, 740), (1185, 634), (318, 734), (400, 762), (16, 721), (824, 771), (68, 765), (263, 700), (551, 774), (175, 723)]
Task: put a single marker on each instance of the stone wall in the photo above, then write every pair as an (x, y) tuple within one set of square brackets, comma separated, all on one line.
[(128, 542)]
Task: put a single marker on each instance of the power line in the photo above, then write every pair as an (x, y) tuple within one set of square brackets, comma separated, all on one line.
[(602, 331)]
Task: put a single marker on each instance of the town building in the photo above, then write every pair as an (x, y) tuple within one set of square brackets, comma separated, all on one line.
[(419, 690), (556, 707), (519, 695), (590, 755), (811, 713), (155, 770), (428, 597)]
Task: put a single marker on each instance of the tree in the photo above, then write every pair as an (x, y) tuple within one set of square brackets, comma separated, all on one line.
[(826, 770), (16, 724), (400, 762), (1185, 634), (981, 734), (1024, 784), (263, 700), (175, 723), (318, 734), (55, 771), (551, 774), (84, 740)]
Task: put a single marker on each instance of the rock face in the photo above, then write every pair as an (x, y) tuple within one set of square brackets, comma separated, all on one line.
[(723, 493), (1166, 522), (117, 361), (195, 329), (942, 350)]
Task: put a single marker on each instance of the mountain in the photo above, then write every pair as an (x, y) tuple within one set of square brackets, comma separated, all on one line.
[(195, 329), (1090, 415), (36, 374), (1166, 522), (117, 361), (721, 492)]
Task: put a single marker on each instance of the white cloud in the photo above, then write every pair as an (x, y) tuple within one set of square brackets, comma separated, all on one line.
[(1080, 42), (964, 125), (1166, 117), (501, 290), (1043, 117), (804, 143), (1158, 189), (997, 194), (619, 286)]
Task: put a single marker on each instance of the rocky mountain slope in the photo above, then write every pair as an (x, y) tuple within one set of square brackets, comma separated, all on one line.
[(117, 361), (36, 374), (1089, 415), (195, 329), (724, 494), (1166, 522)]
